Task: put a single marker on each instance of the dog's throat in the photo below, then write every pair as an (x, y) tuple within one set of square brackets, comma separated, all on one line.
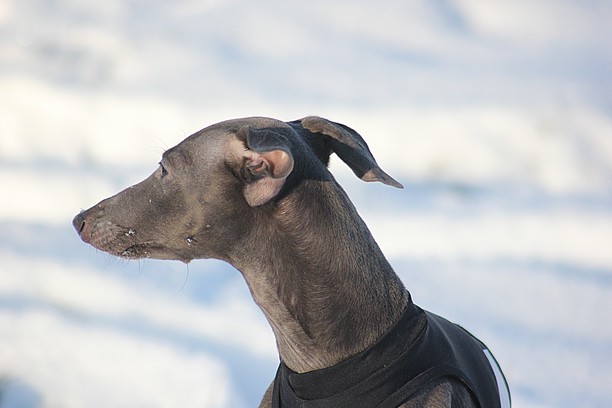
[(323, 283)]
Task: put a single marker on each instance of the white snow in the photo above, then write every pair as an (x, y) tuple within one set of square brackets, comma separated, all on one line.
[(494, 115)]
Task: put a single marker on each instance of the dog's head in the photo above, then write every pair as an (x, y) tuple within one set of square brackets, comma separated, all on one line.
[(209, 189)]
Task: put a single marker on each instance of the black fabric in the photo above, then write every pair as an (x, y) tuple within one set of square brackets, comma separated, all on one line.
[(421, 347)]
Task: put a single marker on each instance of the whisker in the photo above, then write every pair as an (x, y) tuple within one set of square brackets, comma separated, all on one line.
[(184, 284)]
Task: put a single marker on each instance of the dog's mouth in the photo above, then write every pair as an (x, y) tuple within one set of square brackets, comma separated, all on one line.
[(153, 251), (128, 242), (123, 242), (115, 239)]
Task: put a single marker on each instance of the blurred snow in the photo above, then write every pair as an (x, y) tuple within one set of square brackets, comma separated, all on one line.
[(494, 115)]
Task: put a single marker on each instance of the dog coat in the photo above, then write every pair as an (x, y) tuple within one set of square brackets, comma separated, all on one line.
[(420, 348)]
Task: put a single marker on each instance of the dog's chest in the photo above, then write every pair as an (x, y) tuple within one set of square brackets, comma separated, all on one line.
[(419, 349)]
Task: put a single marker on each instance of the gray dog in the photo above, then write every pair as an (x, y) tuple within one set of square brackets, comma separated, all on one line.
[(256, 193)]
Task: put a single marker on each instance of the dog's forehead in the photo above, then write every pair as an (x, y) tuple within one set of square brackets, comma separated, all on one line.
[(213, 141), (254, 122), (232, 126), (225, 129)]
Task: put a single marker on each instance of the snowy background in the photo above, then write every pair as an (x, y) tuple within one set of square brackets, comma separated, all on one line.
[(496, 116)]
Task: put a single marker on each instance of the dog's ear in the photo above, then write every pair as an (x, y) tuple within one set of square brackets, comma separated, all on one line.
[(351, 148), (266, 164)]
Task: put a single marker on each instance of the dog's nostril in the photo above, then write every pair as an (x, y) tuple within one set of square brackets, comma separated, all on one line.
[(78, 222)]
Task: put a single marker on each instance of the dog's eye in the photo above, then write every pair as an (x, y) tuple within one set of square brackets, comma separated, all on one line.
[(163, 170)]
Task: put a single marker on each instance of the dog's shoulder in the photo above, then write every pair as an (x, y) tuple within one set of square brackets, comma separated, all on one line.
[(445, 392)]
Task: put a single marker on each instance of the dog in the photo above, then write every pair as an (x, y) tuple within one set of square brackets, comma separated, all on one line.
[(256, 193)]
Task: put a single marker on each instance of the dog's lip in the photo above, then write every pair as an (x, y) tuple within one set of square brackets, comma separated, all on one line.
[(136, 251), (113, 239), (150, 250)]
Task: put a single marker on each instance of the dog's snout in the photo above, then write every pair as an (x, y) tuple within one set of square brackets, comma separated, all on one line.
[(78, 222)]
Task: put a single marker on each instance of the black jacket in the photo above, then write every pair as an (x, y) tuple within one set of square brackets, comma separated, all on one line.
[(421, 347)]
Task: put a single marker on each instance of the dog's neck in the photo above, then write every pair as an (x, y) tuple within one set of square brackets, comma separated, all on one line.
[(315, 270)]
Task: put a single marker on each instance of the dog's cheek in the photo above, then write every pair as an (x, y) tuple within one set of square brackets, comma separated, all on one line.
[(221, 229)]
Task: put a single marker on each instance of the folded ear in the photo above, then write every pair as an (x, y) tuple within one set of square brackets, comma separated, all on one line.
[(266, 164), (351, 148)]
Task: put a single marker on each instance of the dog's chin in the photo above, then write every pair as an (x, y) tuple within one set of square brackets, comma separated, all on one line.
[(151, 251), (136, 251)]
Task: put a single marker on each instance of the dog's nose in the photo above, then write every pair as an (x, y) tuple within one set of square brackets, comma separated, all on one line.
[(78, 222)]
